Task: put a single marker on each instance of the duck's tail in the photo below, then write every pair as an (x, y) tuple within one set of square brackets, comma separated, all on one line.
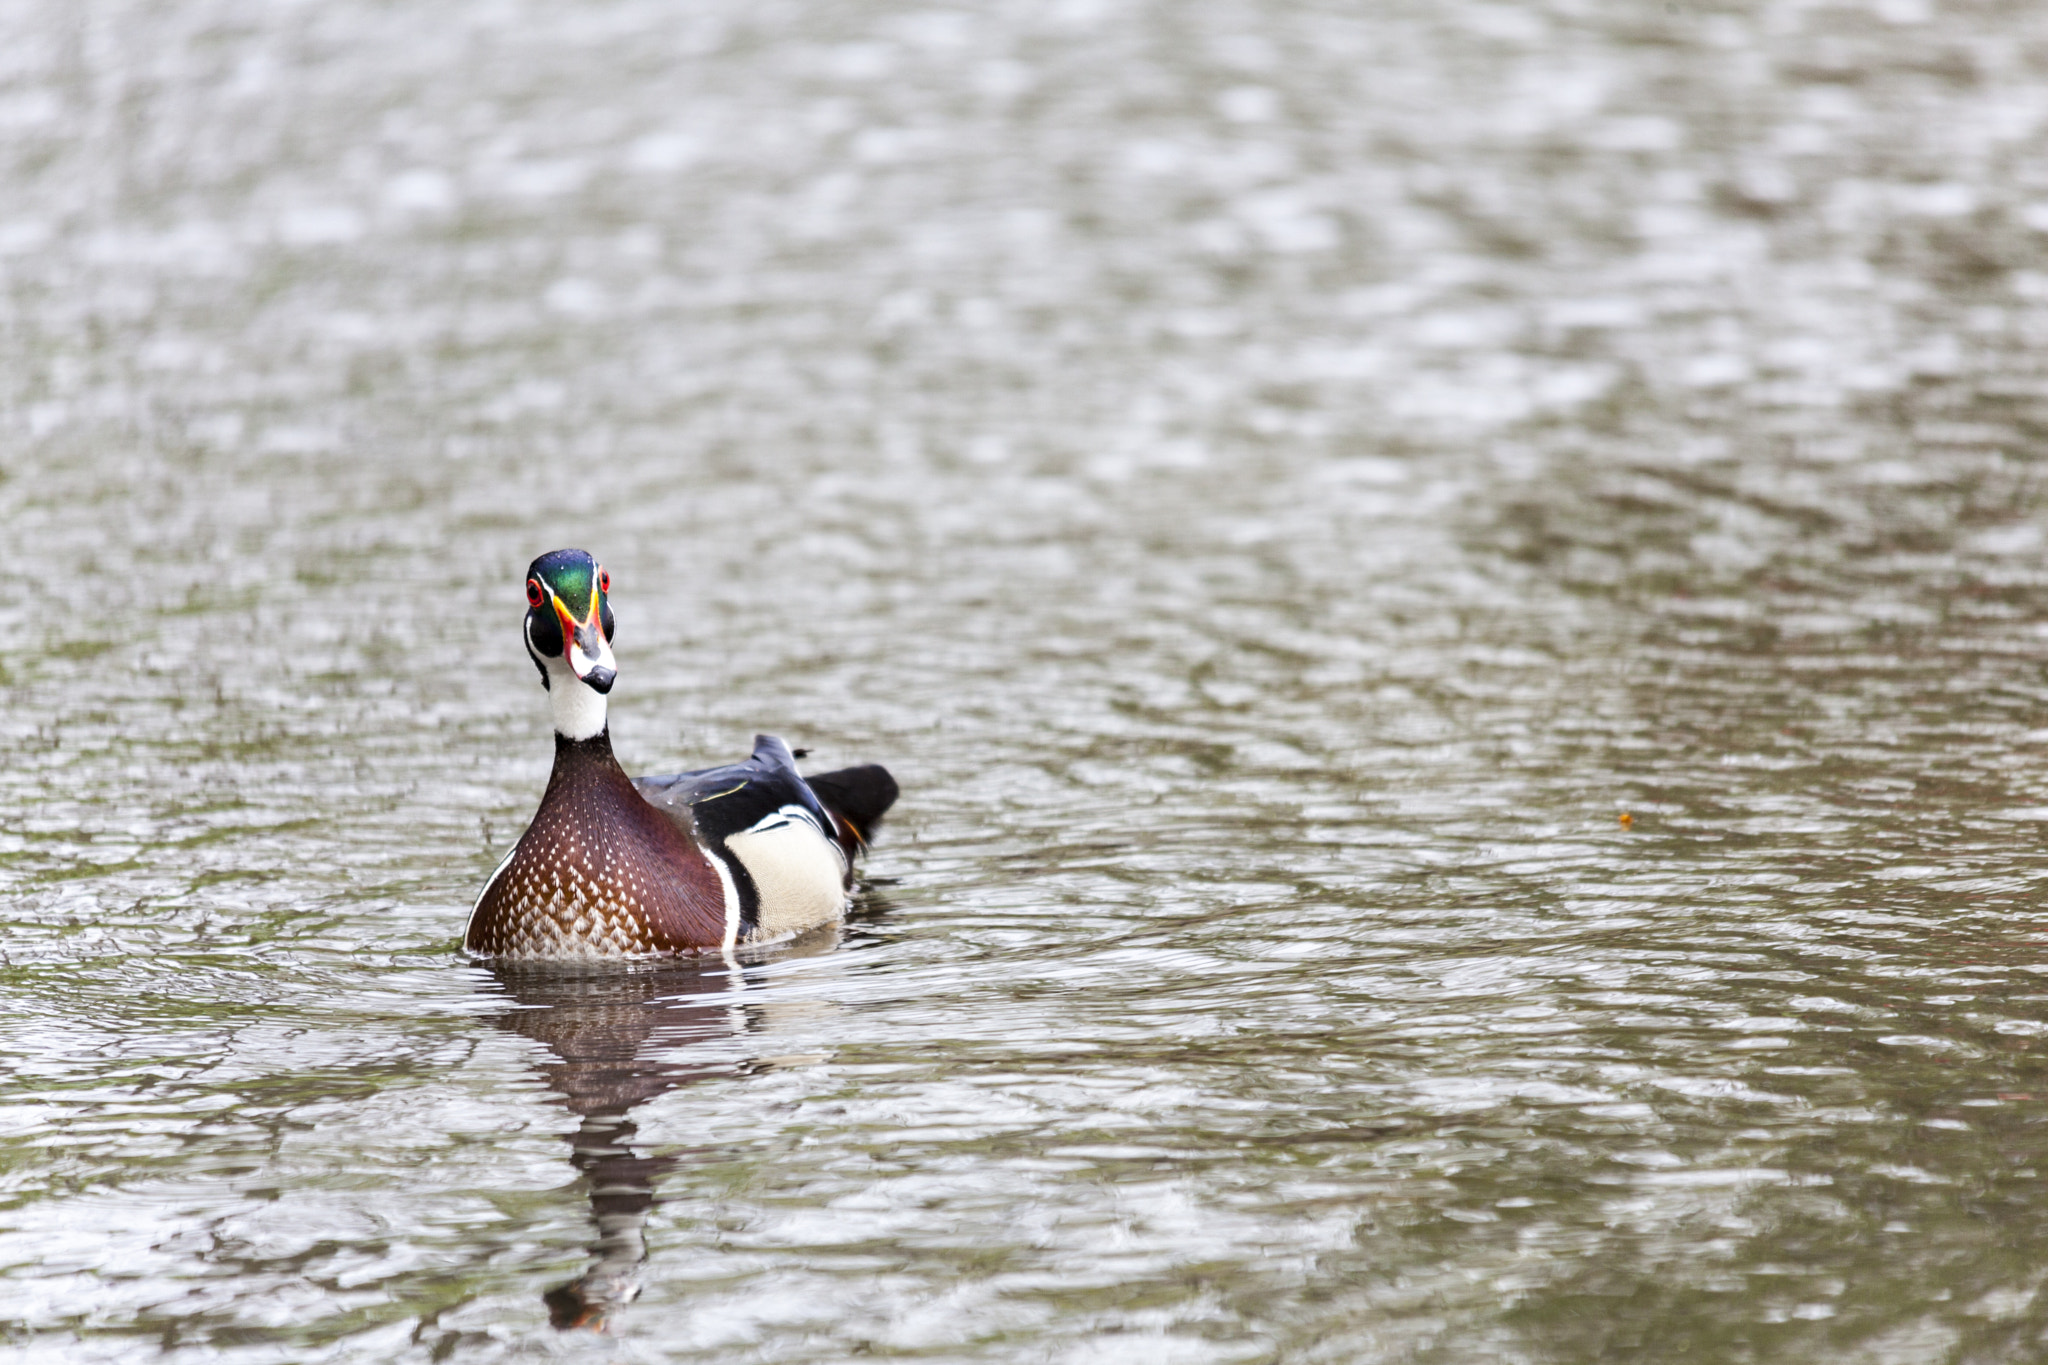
[(857, 797)]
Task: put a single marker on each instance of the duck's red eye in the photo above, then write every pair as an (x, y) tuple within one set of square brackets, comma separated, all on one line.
[(604, 580), (533, 595)]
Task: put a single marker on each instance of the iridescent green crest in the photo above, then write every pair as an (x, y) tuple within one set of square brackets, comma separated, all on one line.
[(572, 574)]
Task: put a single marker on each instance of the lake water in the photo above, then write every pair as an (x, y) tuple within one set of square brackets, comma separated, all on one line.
[(1277, 482)]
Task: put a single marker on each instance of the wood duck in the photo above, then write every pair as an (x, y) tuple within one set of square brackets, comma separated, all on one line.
[(622, 867)]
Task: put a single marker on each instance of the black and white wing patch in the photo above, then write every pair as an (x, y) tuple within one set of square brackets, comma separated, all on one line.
[(765, 825)]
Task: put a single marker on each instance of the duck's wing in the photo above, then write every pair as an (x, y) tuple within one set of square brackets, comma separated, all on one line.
[(788, 859), (717, 803)]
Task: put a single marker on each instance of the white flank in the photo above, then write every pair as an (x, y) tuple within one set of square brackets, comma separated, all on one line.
[(798, 872)]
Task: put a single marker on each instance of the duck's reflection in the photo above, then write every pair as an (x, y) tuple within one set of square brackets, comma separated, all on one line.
[(619, 1035)]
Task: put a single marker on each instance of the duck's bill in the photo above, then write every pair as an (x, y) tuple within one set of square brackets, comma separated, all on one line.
[(590, 655)]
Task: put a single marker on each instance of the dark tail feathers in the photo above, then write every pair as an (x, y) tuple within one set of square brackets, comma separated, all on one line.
[(860, 796)]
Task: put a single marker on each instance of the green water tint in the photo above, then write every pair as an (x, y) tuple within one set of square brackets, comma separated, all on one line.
[(1274, 483)]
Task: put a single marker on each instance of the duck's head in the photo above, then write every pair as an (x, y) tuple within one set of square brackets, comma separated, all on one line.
[(569, 635)]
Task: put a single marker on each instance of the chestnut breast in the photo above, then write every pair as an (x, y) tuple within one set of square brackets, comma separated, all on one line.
[(600, 873)]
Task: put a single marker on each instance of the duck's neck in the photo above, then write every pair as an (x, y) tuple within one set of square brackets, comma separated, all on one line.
[(592, 753), (586, 782), (579, 709)]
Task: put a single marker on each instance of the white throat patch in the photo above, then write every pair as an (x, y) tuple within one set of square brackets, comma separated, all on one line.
[(579, 708)]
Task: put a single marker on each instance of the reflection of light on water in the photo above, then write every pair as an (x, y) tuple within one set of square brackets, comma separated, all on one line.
[(1276, 485), (618, 1037)]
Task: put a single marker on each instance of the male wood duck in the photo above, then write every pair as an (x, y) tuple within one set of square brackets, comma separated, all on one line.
[(614, 866)]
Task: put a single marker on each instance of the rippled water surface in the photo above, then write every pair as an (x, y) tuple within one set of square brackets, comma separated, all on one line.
[(1278, 482)]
